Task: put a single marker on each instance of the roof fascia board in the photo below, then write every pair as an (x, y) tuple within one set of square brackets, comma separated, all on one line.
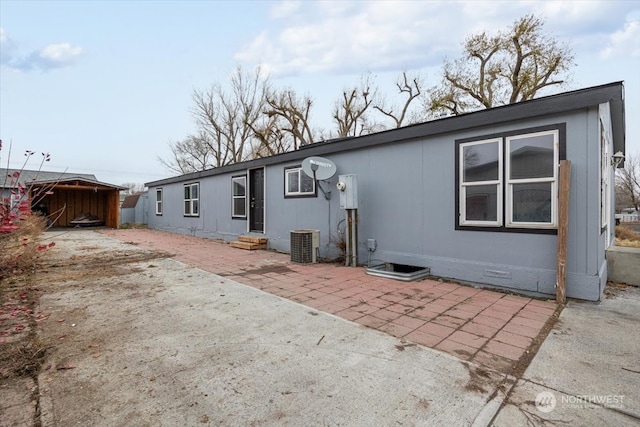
[(618, 125), (83, 180)]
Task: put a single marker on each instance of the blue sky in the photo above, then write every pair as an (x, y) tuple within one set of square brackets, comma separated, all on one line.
[(105, 86)]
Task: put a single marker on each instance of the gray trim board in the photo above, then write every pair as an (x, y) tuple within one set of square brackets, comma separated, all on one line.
[(619, 126)]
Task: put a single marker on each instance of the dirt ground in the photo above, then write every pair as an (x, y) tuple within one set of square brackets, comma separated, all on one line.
[(31, 335), (131, 337)]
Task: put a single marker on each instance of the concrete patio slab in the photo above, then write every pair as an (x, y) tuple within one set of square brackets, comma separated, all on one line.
[(498, 330)]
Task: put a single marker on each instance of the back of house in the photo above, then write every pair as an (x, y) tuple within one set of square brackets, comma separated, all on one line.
[(472, 197)]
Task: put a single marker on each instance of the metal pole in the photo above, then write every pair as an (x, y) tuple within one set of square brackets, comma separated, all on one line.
[(354, 239), (347, 236)]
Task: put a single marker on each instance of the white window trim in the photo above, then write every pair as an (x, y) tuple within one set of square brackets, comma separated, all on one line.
[(463, 186), (605, 183), (234, 197), (192, 199), (287, 174), (505, 186), (553, 180), (159, 201)]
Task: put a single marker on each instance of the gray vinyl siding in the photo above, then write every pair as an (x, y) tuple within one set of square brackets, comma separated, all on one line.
[(127, 216), (139, 213), (406, 196)]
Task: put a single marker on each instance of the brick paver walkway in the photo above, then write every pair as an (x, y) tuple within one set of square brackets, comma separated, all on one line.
[(491, 328)]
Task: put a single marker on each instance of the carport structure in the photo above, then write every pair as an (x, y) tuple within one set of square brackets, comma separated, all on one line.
[(64, 196), (67, 198)]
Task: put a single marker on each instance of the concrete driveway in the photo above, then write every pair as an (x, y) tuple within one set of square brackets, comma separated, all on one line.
[(587, 372), (141, 339)]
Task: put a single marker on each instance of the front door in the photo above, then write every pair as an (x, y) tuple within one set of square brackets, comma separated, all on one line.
[(256, 200)]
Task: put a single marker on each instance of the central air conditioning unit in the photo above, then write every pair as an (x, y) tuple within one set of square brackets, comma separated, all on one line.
[(304, 246)]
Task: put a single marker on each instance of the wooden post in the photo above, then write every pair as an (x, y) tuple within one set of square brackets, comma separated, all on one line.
[(564, 191)]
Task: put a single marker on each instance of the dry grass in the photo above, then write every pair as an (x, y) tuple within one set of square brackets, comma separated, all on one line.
[(626, 236), (21, 353), (131, 225), (22, 358), (340, 242), (19, 250)]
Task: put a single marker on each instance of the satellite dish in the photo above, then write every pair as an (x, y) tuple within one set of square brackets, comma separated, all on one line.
[(323, 168)]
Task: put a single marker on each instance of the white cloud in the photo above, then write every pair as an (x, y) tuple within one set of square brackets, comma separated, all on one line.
[(358, 36), (625, 42), (50, 57), (61, 54), (351, 36), (261, 50), (6, 47), (573, 10)]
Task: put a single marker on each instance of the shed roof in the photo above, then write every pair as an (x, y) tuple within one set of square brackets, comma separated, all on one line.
[(28, 177), (130, 201), (539, 107)]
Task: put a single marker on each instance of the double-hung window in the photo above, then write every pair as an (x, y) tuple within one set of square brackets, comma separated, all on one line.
[(239, 197), (481, 183), (509, 181), (297, 183), (159, 201), (532, 180), (192, 199)]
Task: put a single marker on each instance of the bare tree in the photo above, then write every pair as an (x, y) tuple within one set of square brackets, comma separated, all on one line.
[(133, 188), (411, 88), (288, 126), (628, 183), (190, 155), (268, 138), (350, 110), (225, 120), (509, 67)]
